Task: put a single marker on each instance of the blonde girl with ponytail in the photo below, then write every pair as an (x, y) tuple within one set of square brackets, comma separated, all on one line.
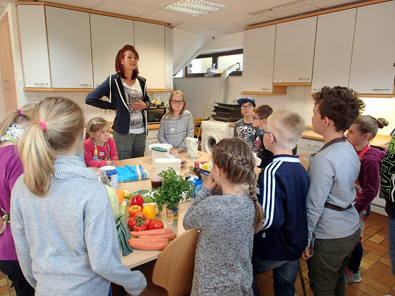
[(62, 221), (11, 129), (227, 222)]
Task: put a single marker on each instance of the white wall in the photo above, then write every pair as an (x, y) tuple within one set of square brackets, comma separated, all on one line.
[(298, 98)]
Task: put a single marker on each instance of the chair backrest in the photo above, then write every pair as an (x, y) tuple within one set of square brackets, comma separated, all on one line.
[(304, 159), (174, 267)]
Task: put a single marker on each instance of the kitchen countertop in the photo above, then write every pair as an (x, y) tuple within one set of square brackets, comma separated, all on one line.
[(379, 140), (153, 126)]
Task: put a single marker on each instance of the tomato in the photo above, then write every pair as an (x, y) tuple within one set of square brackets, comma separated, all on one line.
[(141, 227), (137, 200), (147, 221), (133, 209), (131, 223), (139, 214), (155, 224)]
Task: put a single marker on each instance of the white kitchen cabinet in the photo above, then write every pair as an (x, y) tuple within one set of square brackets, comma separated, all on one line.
[(150, 44), (34, 46), (69, 48), (333, 49), (152, 138), (108, 35), (169, 57), (372, 65), (294, 51), (309, 146), (258, 59)]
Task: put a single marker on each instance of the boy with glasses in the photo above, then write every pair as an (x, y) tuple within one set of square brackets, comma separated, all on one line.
[(259, 120), (282, 189), (243, 127)]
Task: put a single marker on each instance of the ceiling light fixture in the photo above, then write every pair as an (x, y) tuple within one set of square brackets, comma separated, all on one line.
[(279, 7), (194, 7)]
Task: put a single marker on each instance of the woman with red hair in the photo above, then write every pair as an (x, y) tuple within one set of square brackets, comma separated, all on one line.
[(126, 93)]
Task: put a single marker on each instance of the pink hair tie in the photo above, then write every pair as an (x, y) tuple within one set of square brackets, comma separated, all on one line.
[(19, 112), (43, 125)]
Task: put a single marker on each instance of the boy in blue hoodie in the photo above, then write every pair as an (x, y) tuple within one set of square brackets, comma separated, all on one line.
[(282, 190)]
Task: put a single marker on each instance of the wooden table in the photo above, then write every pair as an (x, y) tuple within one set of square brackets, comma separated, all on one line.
[(139, 257)]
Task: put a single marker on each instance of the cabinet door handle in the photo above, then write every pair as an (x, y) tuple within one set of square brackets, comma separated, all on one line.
[(304, 79), (381, 89), (5, 85), (85, 84), (40, 83), (316, 88), (266, 88), (315, 146)]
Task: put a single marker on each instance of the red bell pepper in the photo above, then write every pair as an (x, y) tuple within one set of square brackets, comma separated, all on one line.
[(137, 200)]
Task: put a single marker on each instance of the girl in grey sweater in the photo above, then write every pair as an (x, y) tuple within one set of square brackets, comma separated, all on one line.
[(61, 217), (177, 124), (226, 222)]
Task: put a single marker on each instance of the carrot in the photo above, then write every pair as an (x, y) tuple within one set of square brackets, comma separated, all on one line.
[(151, 232), (141, 244), (169, 236), (151, 238)]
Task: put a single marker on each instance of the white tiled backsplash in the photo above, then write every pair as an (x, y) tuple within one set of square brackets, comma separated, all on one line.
[(79, 98), (299, 99)]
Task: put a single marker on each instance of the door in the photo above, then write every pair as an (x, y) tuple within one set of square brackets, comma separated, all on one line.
[(372, 65), (69, 42), (258, 59), (333, 49), (109, 35), (149, 40), (294, 51), (34, 46), (7, 67)]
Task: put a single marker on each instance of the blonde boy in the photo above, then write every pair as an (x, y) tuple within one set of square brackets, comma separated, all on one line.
[(282, 190)]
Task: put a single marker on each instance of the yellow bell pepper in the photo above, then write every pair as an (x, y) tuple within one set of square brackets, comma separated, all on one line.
[(149, 211)]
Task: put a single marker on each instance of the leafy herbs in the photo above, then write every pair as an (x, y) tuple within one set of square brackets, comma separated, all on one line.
[(171, 192)]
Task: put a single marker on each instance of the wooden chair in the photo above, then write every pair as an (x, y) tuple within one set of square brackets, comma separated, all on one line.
[(174, 267), (304, 159)]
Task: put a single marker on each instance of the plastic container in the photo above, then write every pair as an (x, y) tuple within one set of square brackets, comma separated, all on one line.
[(113, 176), (163, 164), (158, 154)]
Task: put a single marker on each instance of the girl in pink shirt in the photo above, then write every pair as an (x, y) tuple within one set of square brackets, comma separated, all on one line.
[(99, 148)]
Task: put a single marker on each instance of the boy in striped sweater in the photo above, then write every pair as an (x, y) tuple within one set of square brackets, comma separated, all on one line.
[(282, 190)]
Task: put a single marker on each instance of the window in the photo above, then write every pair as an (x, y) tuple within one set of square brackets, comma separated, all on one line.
[(221, 61)]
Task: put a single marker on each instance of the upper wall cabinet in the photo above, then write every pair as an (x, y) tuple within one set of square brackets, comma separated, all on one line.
[(169, 57), (258, 59), (333, 49), (74, 50), (34, 49), (294, 51), (69, 48), (109, 35), (372, 66), (150, 44)]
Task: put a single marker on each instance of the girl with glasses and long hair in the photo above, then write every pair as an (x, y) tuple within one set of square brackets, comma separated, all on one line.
[(177, 123)]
